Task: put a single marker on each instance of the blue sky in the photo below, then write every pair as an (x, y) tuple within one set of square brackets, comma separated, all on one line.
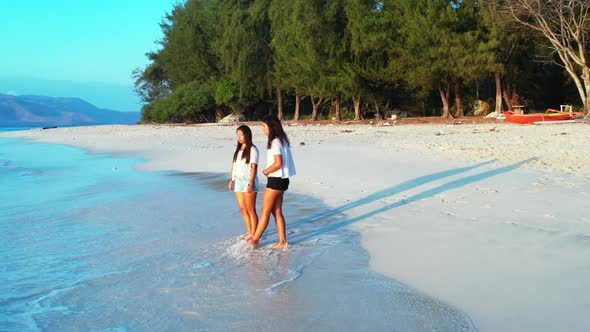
[(89, 41), (80, 40)]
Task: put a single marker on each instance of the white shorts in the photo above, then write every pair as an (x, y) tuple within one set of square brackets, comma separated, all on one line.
[(241, 185)]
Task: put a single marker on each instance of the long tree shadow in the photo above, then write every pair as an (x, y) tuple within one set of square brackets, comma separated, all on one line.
[(407, 185), (304, 236)]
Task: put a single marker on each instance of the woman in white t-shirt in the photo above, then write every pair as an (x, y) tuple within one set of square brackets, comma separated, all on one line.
[(244, 177), (280, 167)]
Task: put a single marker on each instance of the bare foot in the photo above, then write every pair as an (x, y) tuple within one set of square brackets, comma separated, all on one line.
[(252, 242), (280, 245)]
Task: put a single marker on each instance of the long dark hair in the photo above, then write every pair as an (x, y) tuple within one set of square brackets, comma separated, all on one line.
[(275, 129), (248, 138)]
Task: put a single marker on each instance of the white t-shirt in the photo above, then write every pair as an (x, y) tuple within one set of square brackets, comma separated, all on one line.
[(288, 168), (242, 170)]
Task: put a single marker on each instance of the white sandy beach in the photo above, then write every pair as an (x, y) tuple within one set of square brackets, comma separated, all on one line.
[(490, 218)]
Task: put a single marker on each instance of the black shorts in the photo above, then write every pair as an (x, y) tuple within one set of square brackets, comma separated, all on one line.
[(278, 183)]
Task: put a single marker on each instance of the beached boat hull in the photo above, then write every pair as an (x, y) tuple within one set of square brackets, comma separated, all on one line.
[(536, 117)]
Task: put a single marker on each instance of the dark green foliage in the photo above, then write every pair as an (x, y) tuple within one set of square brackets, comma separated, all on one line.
[(244, 43), (188, 52), (310, 45), (151, 84), (414, 54), (188, 103), (228, 93), (178, 85), (448, 37)]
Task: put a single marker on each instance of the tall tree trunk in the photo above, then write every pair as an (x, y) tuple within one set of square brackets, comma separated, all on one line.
[(377, 108), (515, 98), (586, 100), (498, 76), (458, 98), (315, 106), (279, 104), (338, 117), (510, 89), (582, 81), (506, 96), (357, 107), (297, 106), (564, 24), (445, 96)]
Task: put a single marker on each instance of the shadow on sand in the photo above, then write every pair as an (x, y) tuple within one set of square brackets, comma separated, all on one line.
[(331, 225)]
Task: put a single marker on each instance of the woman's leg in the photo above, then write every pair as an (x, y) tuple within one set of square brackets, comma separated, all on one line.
[(241, 199), (268, 203), (251, 210), (280, 222)]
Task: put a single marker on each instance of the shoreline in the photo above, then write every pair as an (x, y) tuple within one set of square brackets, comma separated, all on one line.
[(429, 200)]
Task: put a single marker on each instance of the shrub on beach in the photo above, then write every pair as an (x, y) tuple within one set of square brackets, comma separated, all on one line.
[(229, 93), (188, 103)]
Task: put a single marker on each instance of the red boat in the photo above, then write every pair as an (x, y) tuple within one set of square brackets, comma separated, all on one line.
[(549, 115)]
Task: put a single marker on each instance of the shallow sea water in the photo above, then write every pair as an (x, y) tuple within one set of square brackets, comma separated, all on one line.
[(90, 243)]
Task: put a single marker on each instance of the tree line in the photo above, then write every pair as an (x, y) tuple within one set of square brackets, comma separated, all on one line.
[(351, 58)]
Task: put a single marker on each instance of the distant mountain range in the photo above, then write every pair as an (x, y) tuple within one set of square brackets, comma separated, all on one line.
[(112, 96), (49, 111)]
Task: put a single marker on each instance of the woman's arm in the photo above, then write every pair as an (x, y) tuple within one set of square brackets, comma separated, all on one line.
[(253, 170), (276, 165), (231, 176)]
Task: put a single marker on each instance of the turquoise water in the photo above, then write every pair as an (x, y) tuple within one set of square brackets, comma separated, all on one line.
[(89, 243), (6, 129), (46, 192)]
